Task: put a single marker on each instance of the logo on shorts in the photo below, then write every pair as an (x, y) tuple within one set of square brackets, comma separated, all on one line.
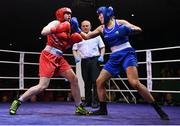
[(117, 32)]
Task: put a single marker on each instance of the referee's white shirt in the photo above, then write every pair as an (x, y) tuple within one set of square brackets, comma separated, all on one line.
[(89, 48)]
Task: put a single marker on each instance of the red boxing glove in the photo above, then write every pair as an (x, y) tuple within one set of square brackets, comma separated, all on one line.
[(76, 37), (64, 27), (53, 30), (63, 36), (61, 27)]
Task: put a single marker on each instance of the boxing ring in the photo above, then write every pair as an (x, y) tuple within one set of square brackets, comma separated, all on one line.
[(18, 69)]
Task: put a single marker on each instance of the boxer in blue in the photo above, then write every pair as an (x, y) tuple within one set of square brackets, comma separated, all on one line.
[(123, 55)]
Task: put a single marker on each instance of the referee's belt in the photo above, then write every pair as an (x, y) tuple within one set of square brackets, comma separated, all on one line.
[(53, 50), (90, 58)]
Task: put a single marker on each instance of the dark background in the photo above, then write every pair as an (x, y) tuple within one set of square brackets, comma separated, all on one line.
[(23, 20)]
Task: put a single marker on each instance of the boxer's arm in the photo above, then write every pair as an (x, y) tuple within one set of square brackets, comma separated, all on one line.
[(98, 31), (50, 28), (75, 26), (131, 26)]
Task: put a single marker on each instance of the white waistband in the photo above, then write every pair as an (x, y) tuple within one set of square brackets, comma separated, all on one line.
[(120, 47), (53, 50)]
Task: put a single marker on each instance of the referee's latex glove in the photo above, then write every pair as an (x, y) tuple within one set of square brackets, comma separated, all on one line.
[(77, 59), (101, 59)]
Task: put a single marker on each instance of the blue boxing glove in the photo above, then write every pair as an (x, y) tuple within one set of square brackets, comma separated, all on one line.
[(75, 25), (101, 59), (77, 59)]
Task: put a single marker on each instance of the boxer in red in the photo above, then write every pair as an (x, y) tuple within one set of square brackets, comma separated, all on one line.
[(52, 63)]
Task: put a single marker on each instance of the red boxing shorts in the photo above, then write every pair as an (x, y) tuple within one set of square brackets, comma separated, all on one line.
[(52, 65)]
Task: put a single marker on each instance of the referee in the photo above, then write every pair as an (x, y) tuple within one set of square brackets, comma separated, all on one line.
[(90, 52)]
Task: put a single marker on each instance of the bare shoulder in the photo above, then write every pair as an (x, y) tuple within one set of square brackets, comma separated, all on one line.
[(121, 21)]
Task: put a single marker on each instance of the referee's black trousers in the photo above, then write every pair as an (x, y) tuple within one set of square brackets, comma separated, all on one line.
[(90, 70)]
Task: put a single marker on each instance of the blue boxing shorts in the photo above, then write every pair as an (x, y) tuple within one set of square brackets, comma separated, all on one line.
[(121, 59)]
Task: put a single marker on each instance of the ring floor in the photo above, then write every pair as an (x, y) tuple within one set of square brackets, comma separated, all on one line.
[(63, 113)]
